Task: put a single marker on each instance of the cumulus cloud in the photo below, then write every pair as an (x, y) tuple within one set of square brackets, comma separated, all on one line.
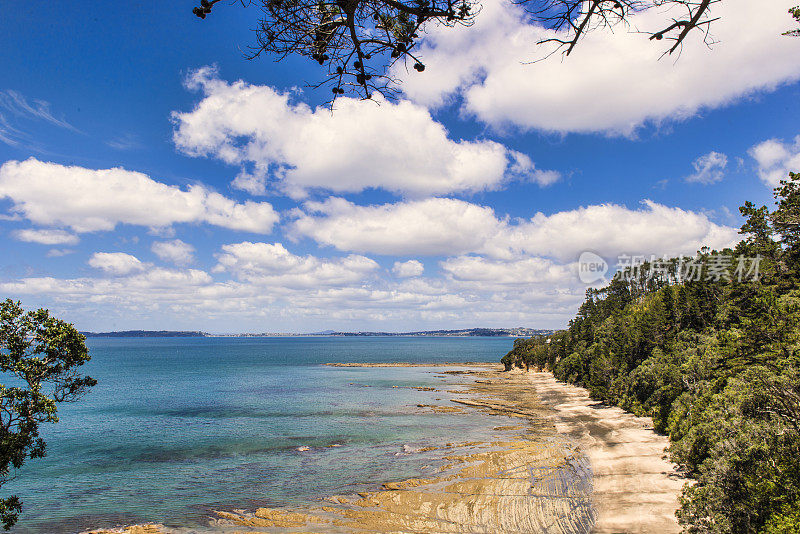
[(494, 270), (775, 159), (363, 144), (430, 227), (142, 291), (494, 273), (116, 263), (46, 236), (407, 269), (89, 200), (545, 178), (273, 264), (613, 81), (708, 169), (175, 251), (145, 297), (449, 227), (265, 274), (611, 230)]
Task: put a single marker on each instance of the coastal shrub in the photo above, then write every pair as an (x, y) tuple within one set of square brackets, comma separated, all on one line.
[(651, 388), (750, 467)]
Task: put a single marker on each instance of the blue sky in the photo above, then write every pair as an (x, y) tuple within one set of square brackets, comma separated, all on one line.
[(240, 203)]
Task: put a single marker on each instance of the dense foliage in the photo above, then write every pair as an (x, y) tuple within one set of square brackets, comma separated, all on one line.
[(714, 361), (39, 357)]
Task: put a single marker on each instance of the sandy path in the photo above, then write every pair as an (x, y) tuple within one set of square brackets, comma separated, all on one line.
[(635, 488)]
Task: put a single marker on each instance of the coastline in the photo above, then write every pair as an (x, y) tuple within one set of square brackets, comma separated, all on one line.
[(408, 364), (560, 464), (636, 488)]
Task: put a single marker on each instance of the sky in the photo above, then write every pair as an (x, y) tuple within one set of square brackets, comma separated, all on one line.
[(152, 177)]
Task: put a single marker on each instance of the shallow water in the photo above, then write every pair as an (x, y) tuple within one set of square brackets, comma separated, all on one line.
[(179, 427)]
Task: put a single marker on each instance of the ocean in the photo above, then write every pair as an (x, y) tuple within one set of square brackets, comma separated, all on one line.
[(177, 428)]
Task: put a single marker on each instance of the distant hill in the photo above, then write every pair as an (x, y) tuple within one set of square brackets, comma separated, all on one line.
[(481, 332), (146, 333)]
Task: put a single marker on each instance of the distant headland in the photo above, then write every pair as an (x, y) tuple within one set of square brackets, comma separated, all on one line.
[(466, 332), (146, 333)]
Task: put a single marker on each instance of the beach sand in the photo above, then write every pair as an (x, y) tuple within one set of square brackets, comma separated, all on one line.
[(564, 463), (636, 488)]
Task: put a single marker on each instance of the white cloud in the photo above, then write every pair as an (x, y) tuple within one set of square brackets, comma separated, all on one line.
[(449, 227), (431, 227), (708, 169), (545, 178), (155, 279), (59, 252), (490, 273), (142, 291), (775, 159), (408, 269), (611, 230), (175, 251), (46, 236), (275, 290), (127, 141), (495, 271), (88, 200), (272, 264), (116, 263), (8, 134), (613, 81), (361, 145), (193, 300)]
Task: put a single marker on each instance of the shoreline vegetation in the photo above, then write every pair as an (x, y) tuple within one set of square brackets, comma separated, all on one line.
[(558, 462), (709, 347)]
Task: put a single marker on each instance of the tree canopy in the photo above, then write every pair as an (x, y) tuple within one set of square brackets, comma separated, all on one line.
[(39, 361), (356, 42)]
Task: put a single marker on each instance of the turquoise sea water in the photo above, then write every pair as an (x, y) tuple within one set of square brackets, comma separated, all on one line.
[(179, 427)]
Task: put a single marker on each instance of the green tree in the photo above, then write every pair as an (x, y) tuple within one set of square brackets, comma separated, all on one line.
[(759, 236), (786, 218), (39, 360)]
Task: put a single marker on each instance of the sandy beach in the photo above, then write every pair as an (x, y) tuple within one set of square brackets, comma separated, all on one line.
[(560, 463), (635, 487)]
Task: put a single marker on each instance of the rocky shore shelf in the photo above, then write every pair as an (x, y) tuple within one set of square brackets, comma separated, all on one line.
[(570, 465)]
